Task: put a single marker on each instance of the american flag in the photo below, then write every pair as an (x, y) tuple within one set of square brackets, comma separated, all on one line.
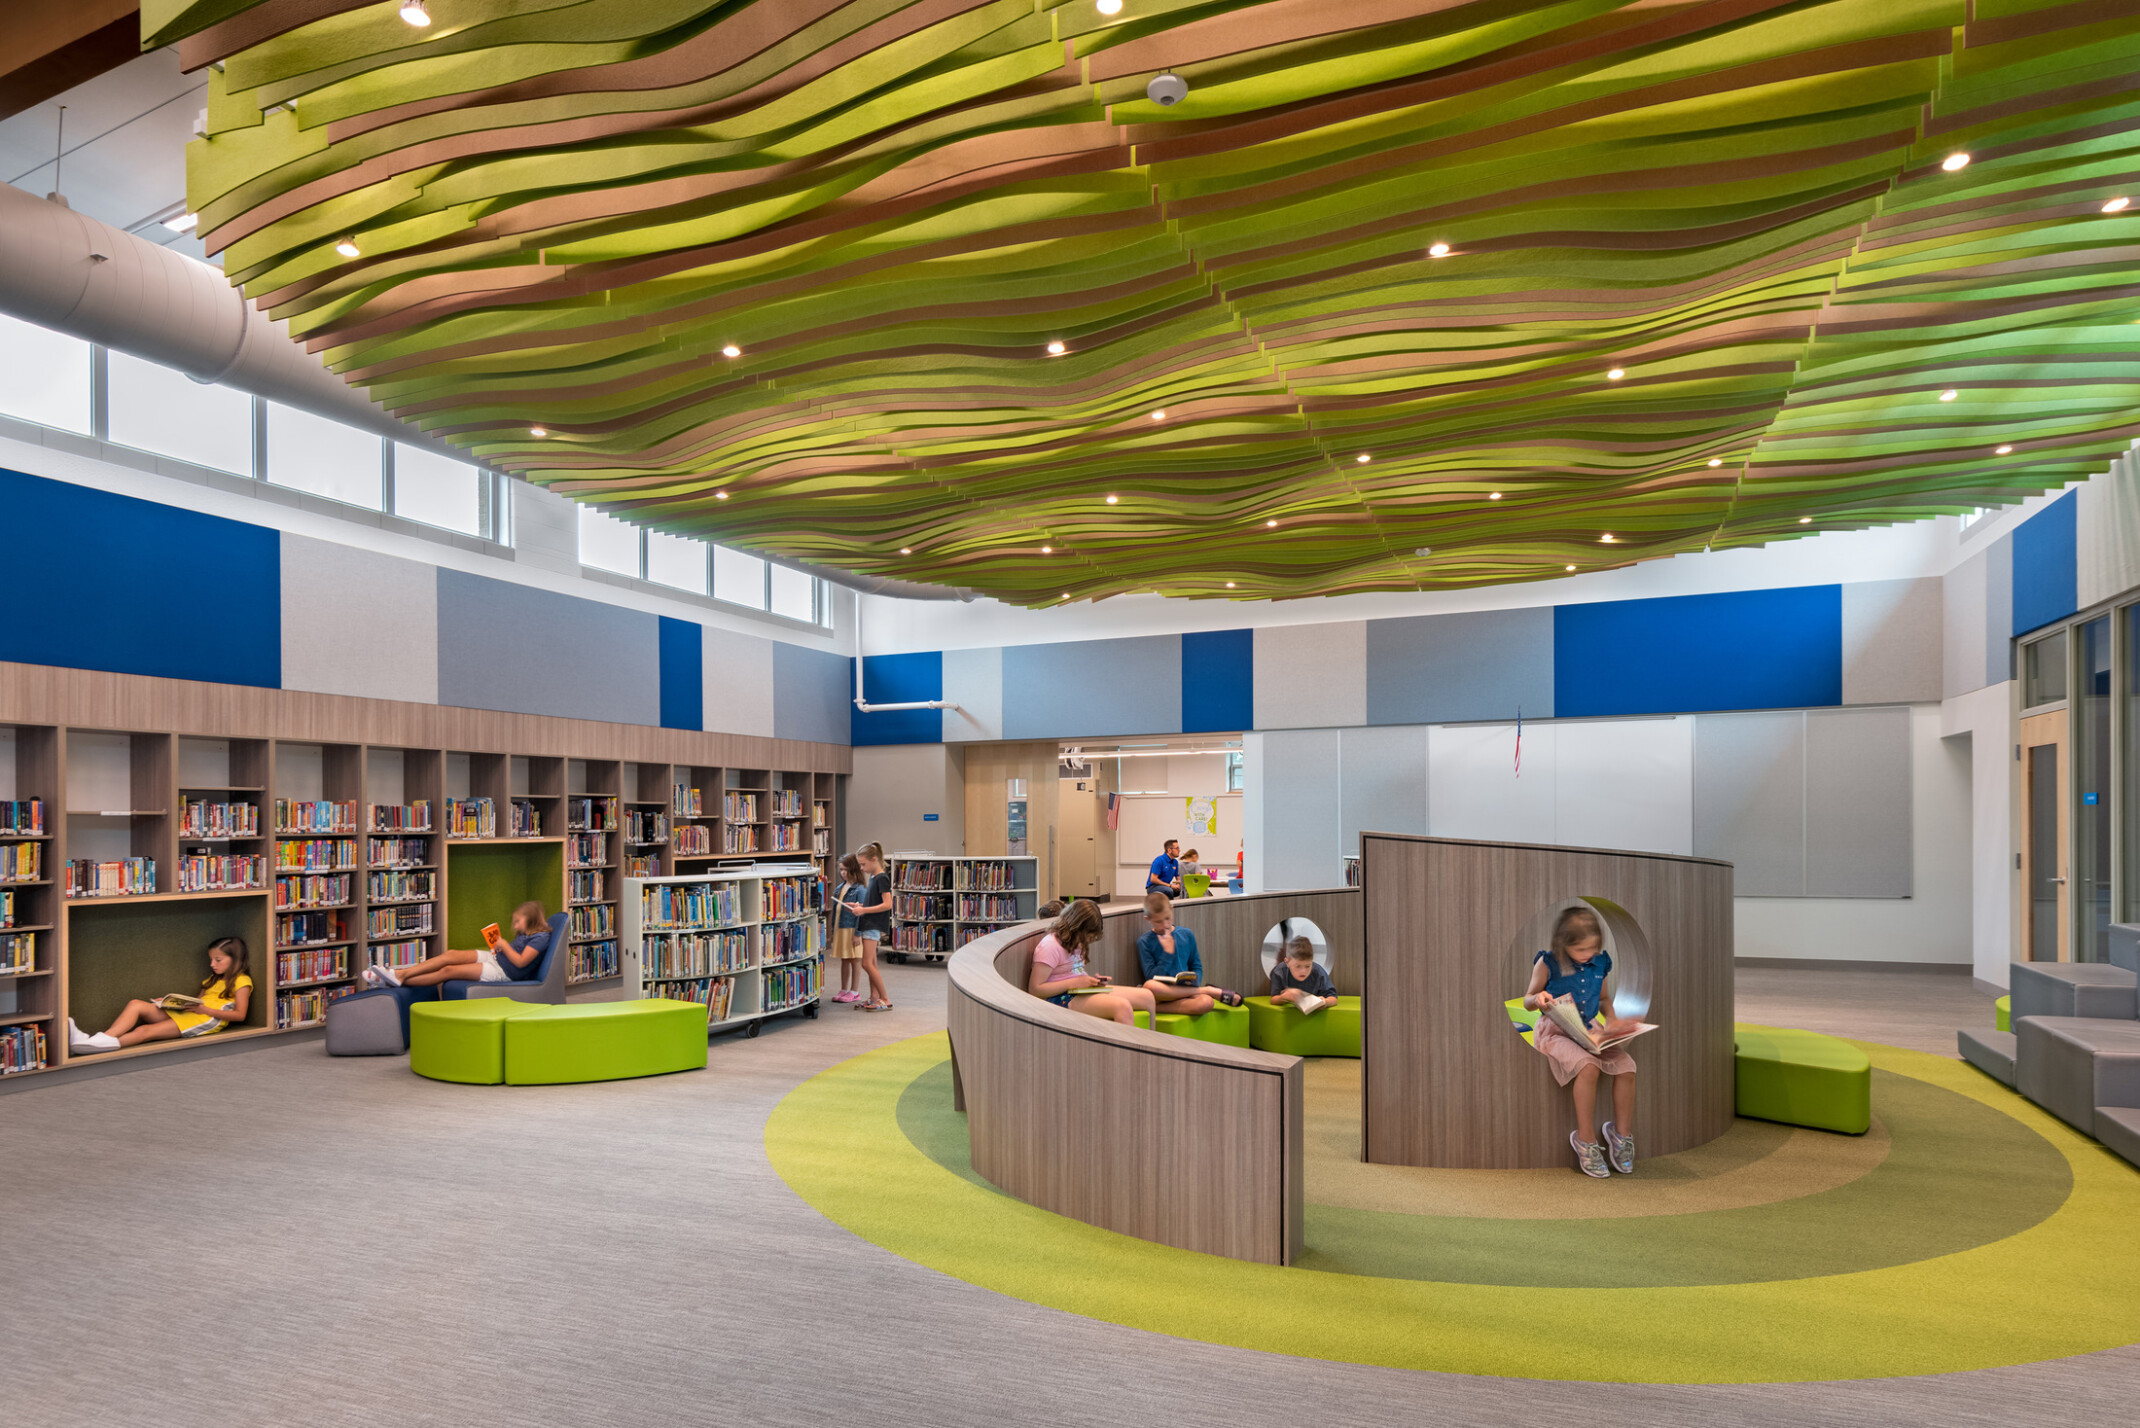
[(1114, 811)]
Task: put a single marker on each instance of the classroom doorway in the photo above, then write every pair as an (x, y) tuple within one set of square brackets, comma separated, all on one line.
[(2045, 838)]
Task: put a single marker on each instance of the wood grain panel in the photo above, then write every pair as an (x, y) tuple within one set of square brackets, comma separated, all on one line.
[(1447, 1082), (1229, 936)]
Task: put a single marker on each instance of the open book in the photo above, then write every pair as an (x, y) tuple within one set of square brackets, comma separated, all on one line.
[(1179, 979), (1309, 1003), (1569, 1020), (491, 937), (178, 1001)]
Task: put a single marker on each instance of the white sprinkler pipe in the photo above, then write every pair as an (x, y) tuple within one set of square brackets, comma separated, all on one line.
[(865, 706)]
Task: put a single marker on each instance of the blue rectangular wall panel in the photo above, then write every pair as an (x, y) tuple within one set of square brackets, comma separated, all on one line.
[(900, 679), (1750, 649), (683, 674), (1218, 682), (2047, 564), (1093, 689), (813, 693), (527, 650), (1452, 669), (98, 581)]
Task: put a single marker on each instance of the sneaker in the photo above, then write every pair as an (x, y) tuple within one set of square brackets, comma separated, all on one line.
[(848, 996), (388, 977), (77, 1039), (1591, 1158), (102, 1041), (1620, 1148), (371, 977)]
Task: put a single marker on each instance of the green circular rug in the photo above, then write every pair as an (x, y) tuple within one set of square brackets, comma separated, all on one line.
[(1968, 1230)]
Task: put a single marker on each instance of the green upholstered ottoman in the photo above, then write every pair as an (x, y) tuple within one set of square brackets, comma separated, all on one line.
[(1333, 1031), (1225, 1026), (463, 1041), (1802, 1078), (604, 1041), (2002, 1012), (1523, 1019)]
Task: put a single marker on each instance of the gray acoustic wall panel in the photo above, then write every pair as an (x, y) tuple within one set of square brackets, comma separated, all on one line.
[(1311, 676), (1999, 611), (1858, 802), (546, 528), (737, 683), (1485, 664), (532, 651), (1302, 826), (973, 680), (2107, 529), (1962, 627), (357, 622), (1892, 635), (1382, 782), (813, 694), (1090, 689), (1749, 799)]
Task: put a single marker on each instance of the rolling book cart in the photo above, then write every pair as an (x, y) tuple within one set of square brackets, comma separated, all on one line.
[(941, 904), (747, 943)]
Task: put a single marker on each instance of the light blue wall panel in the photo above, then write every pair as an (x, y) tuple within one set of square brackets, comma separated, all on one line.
[(2108, 559), (813, 694), (973, 680), (1382, 782), (1962, 627), (1891, 641), (1091, 689), (739, 683), (1998, 611), (1311, 676), (533, 651), (389, 652), (1427, 669), (1302, 822)]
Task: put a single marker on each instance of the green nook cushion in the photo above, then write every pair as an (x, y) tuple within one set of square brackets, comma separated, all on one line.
[(604, 1041), (2003, 1013), (1333, 1031), (1227, 1026), (1802, 1078), (463, 1041)]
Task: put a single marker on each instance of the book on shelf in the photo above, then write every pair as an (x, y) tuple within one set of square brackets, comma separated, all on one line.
[(124, 877), (1568, 1019), (395, 954), (199, 818), (591, 815), (209, 872), (298, 928), (992, 875), (397, 885), (787, 803), (294, 816), (786, 838), (780, 898), (591, 961), (402, 817), (988, 907), (21, 862), (526, 819), (920, 907), (686, 802), (716, 994), (315, 855), (692, 840), (821, 813), (682, 905), (790, 941), (821, 842), (586, 850), (643, 865), (323, 964), (694, 954), (584, 885), (791, 986), (919, 876), (739, 807), (7, 907), (18, 953), (739, 838), (312, 890), (22, 1048), (645, 827), (399, 852), (471, 818), (411, 920), (916, 937), (307, 1008), (592, 919), (22, 817)]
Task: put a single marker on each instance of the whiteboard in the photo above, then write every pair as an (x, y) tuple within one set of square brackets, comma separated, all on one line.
[(1607, 783), (1149, 819)]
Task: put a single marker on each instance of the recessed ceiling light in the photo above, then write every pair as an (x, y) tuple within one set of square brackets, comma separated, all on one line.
[(1607, 537), (731, 350), (720, 495), (1424, 550), (906, 550), (1229, 585), (1615, 374), (1270, 523), (1056, 349), (1109, 7), (414, 13), (1716, 461), (1047, 550), (1949, 395), (1438, 250), (2116, 205), (538, 431), (184, 222), (1493, 495), (1805, 520), (1571, 567), (2002, 451), (1114, 500), (1954, 163), (348, 248), (1159, 415), (1363, 458)]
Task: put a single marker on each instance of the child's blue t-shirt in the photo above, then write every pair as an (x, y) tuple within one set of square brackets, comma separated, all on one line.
[(1586, 983), (845, 893), (1157, 963)]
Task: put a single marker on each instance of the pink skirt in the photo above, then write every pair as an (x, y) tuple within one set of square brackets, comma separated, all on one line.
[(1567, 1056)]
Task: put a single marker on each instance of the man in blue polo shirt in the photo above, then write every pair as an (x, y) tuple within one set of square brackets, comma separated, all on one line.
[(1165, 876)]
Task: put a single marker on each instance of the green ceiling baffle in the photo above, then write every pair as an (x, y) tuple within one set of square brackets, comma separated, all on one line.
[(1405, 294)]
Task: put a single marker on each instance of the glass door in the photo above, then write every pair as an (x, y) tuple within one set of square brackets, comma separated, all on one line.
[(2043, 843)]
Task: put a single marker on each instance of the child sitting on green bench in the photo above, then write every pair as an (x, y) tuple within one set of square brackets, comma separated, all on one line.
[(1297, 979), (1168, 953)]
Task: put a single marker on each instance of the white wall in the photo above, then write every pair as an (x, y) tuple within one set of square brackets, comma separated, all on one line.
[(1982, 724), (1167, 781), (894, 785)]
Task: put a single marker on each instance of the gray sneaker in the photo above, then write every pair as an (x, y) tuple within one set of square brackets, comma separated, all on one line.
[(1621, 1148), (1591, 1158)]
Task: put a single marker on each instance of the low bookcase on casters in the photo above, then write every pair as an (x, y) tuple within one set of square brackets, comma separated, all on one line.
[(747, 943)]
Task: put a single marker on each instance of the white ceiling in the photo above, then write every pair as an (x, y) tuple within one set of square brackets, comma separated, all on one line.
[(126, 136)]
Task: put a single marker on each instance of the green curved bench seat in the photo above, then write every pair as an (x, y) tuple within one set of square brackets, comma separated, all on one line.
[(1224, 1026), (1802, 1078), (2002, 1012), (1333, 1031), (494, 1041)]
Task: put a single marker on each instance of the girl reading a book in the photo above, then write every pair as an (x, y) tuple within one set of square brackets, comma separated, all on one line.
[(872, 907), (1573, 972), (1059, 973), (846, 946), (226, 995), (501, 961)]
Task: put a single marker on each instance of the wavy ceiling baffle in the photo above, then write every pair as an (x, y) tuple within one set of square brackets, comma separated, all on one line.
[(1406, 294)]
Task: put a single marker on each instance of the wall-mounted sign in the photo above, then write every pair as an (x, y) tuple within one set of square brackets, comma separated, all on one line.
[(928, 817)]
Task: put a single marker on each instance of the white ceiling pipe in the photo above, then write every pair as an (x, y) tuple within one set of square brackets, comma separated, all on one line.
[(868, 708)]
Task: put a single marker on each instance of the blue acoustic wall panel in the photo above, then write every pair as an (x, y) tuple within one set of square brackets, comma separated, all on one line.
[(1218, 681), (812, 693), (1091, 689), (1750, 649), (899, 679), (98, 581), (2047, 565), (683, 674), (527, 650), (1484, 664)]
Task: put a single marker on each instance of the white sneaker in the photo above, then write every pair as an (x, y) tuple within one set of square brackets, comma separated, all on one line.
[(372, 977), (102, 1041), (388, 976), (77, 1039)]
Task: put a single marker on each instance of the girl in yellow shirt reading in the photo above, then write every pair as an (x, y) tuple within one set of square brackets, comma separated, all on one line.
[(225, 997)]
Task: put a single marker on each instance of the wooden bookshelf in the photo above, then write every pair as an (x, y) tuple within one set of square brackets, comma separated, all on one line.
[(749, 944), (594, 867)]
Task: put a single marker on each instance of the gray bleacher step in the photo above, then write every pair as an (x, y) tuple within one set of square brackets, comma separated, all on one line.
[(2119, 1128), (1991, 1052)]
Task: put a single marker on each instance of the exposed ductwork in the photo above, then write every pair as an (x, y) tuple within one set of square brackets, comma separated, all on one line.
[(66, 271)]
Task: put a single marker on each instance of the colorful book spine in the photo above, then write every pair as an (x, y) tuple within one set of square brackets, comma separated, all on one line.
[(988, 907), (471, 818), (791, 986), (740, 807), (402, 817), (821, 842), (230, 873), (21, 862), (786, 838), (18, 953), (393, 885), (22, 1048), (643, 865), (584, 886), (292, 816), (821, 814), (716, 995), (7, 908), (399, 852), (126, 877), (409, 921), (921, 907), (591, 961), (787, 803), (695, 954), (297, 1009), (586, 850), (395, 954), (198, 818), (692, 840), (781, 898), (685, 802), (790, 941), (645, 827), (312, 891), (911, 937), (595, 919), (296, 929), (22, 817), (922, 877), (739, 838), (674, 905), (990, 876), (316, 855), (591, 815), (526, 819), (325, 964)]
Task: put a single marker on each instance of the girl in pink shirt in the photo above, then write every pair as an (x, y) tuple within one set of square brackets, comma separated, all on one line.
[(1059, 972)]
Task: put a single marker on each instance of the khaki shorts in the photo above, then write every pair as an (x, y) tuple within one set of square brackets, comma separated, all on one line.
[(844, 944)]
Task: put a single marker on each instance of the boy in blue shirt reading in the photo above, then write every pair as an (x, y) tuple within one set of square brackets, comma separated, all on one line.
[(1173, 972)]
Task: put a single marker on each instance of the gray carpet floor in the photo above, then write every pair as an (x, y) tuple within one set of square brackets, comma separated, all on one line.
[(272, 1237)]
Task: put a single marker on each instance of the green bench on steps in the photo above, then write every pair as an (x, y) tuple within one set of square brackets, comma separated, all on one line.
[(1802, 1078), (486, 1043), (1222, 1026)]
